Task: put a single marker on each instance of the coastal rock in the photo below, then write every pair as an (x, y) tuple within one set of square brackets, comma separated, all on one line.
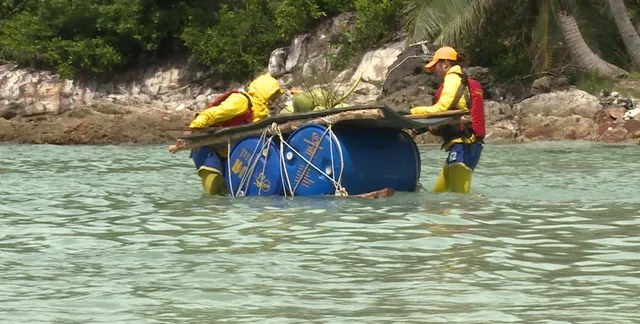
[(310, 52), (502, 130), (277, 62), (558, 128), (408, 67), (416, 93), (375, 64), (561, 104), (364, 93), (613, 131), (26, 92), (497, 111), (88, 126), (548, 83), (614, 99), (482, 75), (633, 113), (315, 67), (617, 113), (297, 52), (145, 104)]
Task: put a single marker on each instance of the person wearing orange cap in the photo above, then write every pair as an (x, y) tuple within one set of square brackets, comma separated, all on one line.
[(463, 141), (233, 108)]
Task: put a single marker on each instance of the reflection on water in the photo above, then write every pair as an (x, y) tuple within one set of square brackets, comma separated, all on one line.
[(123, 235)]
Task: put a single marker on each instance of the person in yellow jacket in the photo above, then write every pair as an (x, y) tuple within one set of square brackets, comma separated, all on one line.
[(235, 107), (464, 147)]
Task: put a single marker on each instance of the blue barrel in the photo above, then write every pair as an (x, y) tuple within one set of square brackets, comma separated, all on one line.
[(372, 159), (255, 168)]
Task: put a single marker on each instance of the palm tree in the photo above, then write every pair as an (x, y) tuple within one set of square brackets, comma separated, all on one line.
[(581, 52), (450, 21), (627, 31)]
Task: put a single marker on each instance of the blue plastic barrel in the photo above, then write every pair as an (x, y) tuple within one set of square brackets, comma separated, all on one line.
[(373, 159), (254, 168)]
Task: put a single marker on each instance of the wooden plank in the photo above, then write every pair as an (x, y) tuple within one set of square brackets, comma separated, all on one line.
[(284, 128), (382, 193)]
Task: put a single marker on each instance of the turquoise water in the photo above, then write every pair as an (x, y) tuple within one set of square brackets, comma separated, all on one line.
[(119, 234)]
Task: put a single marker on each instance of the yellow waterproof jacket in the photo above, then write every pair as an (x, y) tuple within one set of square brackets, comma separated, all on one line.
[(452, 81), (259, 90), (450, 86)]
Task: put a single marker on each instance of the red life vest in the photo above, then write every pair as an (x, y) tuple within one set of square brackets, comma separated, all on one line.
[(244, 118), (476, 110)]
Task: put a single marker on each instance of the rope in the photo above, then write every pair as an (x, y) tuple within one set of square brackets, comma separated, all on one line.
[(340, 190), (247, 176), (274, 131), (229, 165), (264, 165), (283, 168), (309, 163), (313, 154), (250, 169)]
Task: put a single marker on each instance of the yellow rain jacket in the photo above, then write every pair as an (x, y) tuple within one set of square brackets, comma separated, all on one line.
[(259, 90), (452, 81), (450, 86)]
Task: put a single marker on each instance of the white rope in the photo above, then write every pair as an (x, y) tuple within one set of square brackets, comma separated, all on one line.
[(283, 167), (274, 131), (340, 190), (313, 155), (264, 165), (311, 164), (246, 175), (253, 164), (229, 165)]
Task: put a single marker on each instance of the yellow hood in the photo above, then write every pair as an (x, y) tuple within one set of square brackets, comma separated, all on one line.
[(260, 90)]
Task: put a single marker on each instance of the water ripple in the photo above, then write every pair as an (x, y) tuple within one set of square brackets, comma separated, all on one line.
[(123, 234)]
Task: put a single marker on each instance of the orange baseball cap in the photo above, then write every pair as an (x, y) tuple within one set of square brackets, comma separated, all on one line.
[(443, 53)]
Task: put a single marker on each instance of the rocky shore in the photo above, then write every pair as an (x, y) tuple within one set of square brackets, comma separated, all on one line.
[(151, 105)]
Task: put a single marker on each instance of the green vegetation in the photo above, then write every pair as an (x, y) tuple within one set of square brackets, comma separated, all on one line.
[(235, 37)]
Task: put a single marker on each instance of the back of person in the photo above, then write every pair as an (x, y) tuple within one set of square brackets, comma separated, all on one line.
[(232, 108), (463, 141), (470, 90)]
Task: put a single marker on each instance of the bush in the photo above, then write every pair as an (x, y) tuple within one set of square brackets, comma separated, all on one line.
[(234, 38)]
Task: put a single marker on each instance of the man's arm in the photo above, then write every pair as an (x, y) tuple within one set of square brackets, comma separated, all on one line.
[(450, 87), (233, 106)]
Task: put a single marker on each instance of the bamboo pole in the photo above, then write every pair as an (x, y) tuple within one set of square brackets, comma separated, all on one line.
[(286, 127)]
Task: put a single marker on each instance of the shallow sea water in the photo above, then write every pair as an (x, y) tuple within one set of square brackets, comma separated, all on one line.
[(120, 234)]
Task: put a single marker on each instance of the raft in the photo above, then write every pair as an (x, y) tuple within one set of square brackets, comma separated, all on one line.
[(350, 151)]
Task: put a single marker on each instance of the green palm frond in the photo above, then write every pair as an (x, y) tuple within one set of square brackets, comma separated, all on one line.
[(448, 21), (423, 20), (468, 17), (545, 39)]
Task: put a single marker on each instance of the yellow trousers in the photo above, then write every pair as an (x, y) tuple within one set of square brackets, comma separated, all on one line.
[(454, 178), (212, 182)]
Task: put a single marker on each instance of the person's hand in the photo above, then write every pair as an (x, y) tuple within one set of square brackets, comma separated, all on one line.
[(181, 142)]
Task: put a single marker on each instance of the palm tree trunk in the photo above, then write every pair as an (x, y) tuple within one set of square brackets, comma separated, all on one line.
[(629, 34), (581, 52)]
